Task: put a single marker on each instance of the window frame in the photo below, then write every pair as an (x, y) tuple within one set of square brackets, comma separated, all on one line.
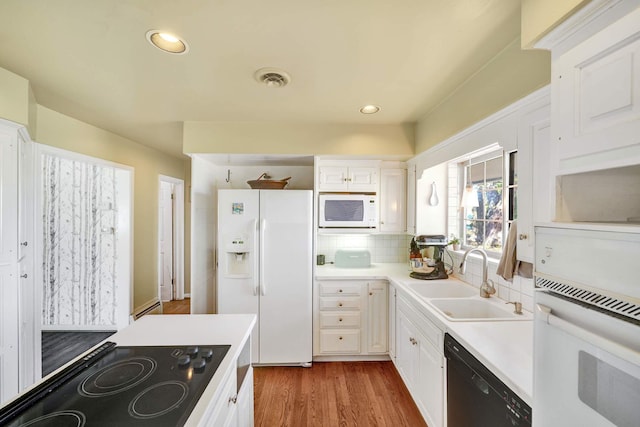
[(509, 182)]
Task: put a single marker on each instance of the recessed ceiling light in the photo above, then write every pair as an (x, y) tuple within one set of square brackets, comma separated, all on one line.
[(369, 109), (272, 77), (167, 42)]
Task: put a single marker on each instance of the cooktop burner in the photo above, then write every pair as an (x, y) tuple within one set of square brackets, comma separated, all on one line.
[(133, 386)]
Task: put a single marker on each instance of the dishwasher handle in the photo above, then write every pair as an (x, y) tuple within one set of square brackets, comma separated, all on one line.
[(480, 383)]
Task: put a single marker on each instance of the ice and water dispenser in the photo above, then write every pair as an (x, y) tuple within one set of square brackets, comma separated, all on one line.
[(238, 260)]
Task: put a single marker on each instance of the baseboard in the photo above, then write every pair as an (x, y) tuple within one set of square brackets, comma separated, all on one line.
[(187, 295), (353, 358), (150, 307)]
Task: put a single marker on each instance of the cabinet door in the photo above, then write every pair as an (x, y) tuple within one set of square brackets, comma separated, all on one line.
[(363, 179), (333, 178), (535, 179), (8, 195), (411, 199), (392, 200), (392, 322), (377, 324), (9, 381), (596, 99), (406, 360), (245, 401), (430, 382)]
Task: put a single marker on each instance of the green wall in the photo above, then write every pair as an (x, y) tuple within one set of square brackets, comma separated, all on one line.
[(508, 77)]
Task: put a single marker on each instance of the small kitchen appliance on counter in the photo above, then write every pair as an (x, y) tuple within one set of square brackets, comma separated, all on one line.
[(432, 266), (111, 386), (352, 258)]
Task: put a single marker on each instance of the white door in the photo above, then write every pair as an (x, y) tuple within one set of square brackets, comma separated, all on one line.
[(9, 299), (238, 214), (285, 276), (166, 241)]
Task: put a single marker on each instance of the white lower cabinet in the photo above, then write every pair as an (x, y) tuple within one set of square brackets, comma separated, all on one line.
[(234, 408), (245, 401), (420, 361), (392, 321), (350, 317)]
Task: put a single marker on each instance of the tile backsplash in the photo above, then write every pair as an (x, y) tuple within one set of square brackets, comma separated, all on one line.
[(383, 247), (395, 248)]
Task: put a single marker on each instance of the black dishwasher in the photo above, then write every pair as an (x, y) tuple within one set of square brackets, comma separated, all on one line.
[(475, 396)]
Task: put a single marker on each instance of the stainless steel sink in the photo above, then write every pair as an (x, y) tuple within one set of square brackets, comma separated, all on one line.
[(442, 289), (471, 309)]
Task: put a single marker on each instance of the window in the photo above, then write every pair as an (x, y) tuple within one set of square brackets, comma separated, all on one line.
[(488, 203)]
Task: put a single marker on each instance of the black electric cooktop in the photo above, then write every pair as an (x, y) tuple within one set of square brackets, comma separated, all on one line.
[(116, 386)]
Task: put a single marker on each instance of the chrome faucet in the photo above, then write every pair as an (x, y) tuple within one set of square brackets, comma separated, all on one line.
[(487, 288)]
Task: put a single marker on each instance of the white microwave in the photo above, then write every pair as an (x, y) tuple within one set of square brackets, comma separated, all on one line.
[(348, 211)]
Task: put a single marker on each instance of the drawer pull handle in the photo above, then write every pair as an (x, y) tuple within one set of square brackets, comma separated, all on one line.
[(340, 290), (340, 338), (340, 319), (413, 341), (523, 236), (339, 304)]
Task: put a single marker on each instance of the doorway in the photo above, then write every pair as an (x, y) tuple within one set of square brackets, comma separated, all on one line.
[(170, 241)]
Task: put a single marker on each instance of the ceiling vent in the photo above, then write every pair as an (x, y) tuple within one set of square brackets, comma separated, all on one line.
[(272, 77)]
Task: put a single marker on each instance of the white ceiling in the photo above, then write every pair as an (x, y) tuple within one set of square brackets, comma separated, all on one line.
[(89, 59)]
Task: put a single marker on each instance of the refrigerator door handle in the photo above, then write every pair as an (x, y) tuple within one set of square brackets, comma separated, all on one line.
[(263, 286), (256, 281)]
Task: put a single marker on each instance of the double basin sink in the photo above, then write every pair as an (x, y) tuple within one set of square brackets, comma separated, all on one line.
[(458, 301)]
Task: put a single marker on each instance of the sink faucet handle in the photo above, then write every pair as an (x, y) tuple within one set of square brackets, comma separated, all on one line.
[(517, 306)]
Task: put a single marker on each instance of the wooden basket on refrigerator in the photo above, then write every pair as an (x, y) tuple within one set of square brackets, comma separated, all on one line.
[(268, 184)]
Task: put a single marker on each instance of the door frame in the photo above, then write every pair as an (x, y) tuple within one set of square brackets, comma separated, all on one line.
[(38, 151), (178, 235)]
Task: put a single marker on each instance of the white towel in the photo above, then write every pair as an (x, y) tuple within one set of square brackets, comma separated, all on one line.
[(509, 264)]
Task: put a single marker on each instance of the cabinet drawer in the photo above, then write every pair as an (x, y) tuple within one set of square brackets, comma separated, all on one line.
[(340, 341), (339, 320), (340, 303), (340, 288)]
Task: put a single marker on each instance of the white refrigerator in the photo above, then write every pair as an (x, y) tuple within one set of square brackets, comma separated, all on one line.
[(265, 267)]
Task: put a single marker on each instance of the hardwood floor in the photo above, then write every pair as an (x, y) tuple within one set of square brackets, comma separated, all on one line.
[(177, 307), (333, 394), (60, 347)]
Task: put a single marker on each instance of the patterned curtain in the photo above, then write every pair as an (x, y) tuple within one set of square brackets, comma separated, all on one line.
[(79, 216)]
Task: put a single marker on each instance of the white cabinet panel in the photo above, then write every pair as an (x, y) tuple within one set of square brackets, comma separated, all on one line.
[(9, 385), (363, 179), (343, 178), (596, 99), (535, 178), (393, 200), (377, 324), (340, 341), (350, 317), (411, 199), (8, 195), (420, 363)]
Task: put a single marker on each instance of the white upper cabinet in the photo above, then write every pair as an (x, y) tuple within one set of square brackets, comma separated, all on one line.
[(411, 199), (393, 200), (351, 179), (535, 179), (595, 98), (8, 194)]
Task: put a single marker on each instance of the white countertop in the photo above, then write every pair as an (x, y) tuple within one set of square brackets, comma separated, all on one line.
[(504, 347), (184, 330), (193, 329)]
